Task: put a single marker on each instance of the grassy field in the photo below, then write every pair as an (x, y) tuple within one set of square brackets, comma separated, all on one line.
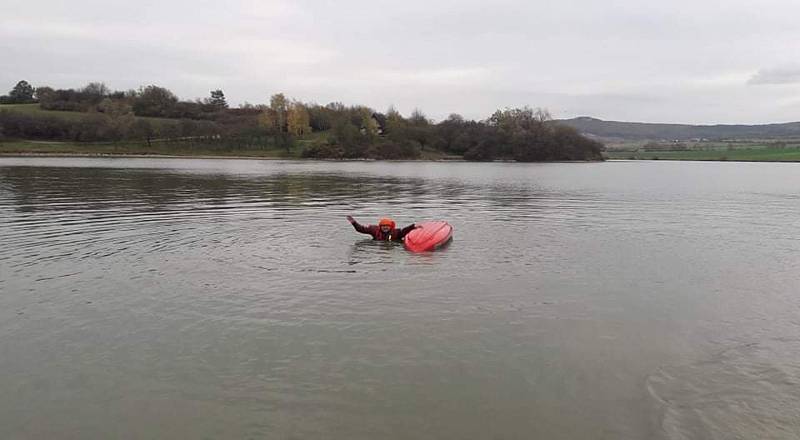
[(46, 148), (739, 154), (35, 110), (13, 148), (31, 147)]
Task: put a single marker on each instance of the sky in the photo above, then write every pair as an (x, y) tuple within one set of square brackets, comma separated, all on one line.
[(682, 61)]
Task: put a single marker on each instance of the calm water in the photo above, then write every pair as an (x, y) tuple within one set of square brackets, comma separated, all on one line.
[(167, 298)]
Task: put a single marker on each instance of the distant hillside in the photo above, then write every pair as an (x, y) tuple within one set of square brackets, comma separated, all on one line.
[(638, 131)]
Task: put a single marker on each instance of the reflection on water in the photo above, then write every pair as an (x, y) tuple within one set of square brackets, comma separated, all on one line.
[(230, 299)]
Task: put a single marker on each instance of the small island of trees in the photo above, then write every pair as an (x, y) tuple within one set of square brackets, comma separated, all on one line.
[(154, 116)]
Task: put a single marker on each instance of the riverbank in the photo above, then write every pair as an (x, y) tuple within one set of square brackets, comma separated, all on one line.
[(736, 155), (28, 148), (116, 149), (111, 149), (37, 148), (126, 125)]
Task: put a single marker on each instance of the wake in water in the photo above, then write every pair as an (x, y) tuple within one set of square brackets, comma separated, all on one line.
[(749, 391)]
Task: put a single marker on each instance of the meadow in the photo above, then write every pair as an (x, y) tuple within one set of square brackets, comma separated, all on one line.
[(745, 154)]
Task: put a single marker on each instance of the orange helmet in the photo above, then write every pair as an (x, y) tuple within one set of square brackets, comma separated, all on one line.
[(386, 222)]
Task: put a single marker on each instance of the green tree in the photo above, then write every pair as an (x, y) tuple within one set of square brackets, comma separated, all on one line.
[(369, 125), (22, 93), (217, 100), (419, 128), (320, 118), (154, 101), (396, 125), (448, 131), (349, 138)]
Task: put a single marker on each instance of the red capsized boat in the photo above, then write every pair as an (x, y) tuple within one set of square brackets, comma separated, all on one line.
[(431, 236)]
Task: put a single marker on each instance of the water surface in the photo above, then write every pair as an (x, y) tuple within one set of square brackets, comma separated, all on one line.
[(180, 298)]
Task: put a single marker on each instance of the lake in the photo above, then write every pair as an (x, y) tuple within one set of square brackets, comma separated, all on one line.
[(192, 298)]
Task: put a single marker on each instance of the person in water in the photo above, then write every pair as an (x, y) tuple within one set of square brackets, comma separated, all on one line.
[(385, 230)]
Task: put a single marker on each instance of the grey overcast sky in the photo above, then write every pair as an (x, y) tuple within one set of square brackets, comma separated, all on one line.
[(692, 61)]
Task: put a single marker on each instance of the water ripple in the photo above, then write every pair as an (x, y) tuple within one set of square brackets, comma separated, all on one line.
[(230, 299)]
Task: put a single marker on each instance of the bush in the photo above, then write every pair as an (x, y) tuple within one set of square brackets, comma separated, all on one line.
[(324, 151), (17, 125), (394, 151), (479, 153), (94, 127)]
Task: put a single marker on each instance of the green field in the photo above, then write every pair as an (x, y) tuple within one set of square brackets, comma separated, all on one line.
[(35, 110), (46, 148), (739, 154), (172, 148), (13, 148)]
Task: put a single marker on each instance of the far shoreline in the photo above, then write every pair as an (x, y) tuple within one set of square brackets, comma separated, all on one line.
[(212, 156), (34, 154), (245, 157)]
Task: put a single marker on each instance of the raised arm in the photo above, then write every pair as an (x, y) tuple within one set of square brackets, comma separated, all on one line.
[(359, 227), (407, 229)]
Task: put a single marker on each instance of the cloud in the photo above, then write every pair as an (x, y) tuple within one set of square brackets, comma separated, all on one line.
[(627, 59), (445, 77), (778, 75)]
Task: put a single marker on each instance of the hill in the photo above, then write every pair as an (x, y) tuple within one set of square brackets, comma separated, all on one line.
[(616, 131)]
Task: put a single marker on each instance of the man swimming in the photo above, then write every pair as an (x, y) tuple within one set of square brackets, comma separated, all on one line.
[(385, 230)]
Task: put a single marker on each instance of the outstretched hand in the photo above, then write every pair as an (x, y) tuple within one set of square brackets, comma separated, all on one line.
[(351, 219)]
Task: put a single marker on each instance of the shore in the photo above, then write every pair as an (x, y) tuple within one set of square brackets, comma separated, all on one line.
[(122, 150), (112, 150), (56, 149), (735, 155), (126, 152), (215, 156)]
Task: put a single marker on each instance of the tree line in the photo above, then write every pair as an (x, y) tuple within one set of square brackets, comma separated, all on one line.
[(152, 113)]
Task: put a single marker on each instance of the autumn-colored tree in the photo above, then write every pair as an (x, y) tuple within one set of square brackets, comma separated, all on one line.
[(275, 118), (298, 121), (279, 107)]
